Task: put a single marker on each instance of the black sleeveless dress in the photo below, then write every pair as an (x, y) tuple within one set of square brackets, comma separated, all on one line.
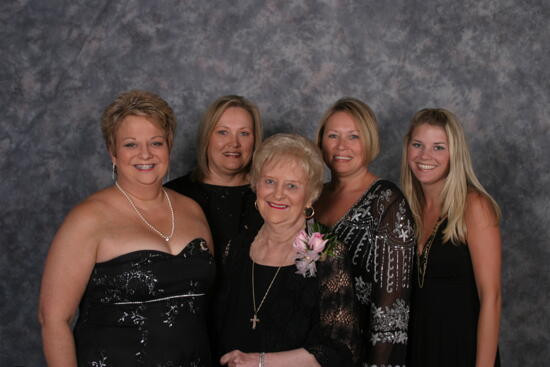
[(445, 309), (147, 308)]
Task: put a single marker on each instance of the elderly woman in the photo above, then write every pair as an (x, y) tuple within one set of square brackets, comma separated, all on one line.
[(372, 218), (229, 133), (456, 299), (135, 256), (278, 306)]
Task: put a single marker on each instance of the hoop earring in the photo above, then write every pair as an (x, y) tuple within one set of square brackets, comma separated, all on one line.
[(256, 204), (114, 172), (309, 212)]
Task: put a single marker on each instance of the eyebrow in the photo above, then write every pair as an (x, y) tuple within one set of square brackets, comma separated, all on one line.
[(437, 142), (227, 127), (154, 137), (348, 131)]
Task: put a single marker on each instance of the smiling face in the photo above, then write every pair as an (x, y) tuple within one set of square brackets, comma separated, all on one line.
[(282, 192), (231, 144), (342, 145), (428, 154), (141, 151)]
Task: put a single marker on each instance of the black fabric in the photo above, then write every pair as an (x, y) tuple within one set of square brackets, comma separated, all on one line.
[(228, 209), (147, 308), (315, 313), (379, 232), (445, 310)]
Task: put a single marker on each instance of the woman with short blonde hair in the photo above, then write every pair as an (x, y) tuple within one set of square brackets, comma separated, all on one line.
[(371, 217), (283, 302)]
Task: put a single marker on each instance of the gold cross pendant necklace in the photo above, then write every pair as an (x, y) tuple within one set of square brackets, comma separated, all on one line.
[(255, 320)]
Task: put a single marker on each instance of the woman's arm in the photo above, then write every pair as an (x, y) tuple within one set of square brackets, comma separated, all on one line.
[(483, 238), (391, 264), (70, 260), (297, 357)]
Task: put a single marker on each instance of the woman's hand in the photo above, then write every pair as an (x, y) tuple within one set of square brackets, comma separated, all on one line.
[(236, 358)]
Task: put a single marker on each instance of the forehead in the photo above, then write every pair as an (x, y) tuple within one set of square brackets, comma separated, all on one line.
[(341, 120), (286, 168), (428, 132), (236, 117), (136, 125)]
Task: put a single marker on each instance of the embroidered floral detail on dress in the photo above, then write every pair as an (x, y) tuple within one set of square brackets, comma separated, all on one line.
[(389, 323), (363, 290), (133, 316), (102, 362)]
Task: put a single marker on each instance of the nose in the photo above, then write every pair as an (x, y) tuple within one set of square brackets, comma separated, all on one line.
[(341, 144), (279, 191), (235, 142), (425, 153), (144, 152)]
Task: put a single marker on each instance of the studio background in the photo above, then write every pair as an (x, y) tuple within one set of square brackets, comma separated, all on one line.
[(63, 61)]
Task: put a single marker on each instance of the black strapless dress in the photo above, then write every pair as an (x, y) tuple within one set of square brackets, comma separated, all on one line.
[(147, 308)]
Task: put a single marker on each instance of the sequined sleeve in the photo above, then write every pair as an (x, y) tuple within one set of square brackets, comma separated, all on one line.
[(379, 231), (389, 310), (337, 341)]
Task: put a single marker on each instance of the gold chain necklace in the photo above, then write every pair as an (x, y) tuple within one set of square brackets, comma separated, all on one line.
[(149, 225), (422, 259), (254, 320)]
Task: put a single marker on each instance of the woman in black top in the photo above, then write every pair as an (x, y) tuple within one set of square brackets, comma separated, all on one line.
[(229, 133), (457, 294), (282, 302)]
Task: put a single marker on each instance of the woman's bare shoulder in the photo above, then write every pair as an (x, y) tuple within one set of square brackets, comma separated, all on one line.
[(479, 210)]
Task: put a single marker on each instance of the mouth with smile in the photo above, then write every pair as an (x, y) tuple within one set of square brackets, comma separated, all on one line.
[(232, 154), (277, 206), (342, 158), (144, 167), (425, 167)]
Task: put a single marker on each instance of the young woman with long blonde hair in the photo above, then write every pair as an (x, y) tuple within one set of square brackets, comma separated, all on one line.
[(455, 308)]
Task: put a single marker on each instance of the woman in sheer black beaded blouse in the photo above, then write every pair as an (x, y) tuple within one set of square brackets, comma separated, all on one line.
[(372, 218), (282, 304)]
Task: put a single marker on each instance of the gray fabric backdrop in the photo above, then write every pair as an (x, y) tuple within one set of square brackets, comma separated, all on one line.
[(62, 61)]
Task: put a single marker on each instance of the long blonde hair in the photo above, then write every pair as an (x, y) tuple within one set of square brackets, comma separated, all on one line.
[(460, 180)]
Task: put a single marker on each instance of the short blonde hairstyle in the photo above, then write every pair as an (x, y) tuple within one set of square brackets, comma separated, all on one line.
[(137, 103), (366, 121), (460, 180), (296, 148), (208, 124)]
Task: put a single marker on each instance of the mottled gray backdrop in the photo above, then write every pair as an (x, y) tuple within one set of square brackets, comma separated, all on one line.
[(63, 61)]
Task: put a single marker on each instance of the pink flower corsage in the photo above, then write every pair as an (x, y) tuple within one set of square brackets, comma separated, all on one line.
[(310, 248)]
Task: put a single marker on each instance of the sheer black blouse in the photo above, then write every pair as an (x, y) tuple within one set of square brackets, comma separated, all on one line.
[(379, 233)]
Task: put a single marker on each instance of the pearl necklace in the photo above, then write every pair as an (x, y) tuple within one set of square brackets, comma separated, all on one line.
[(149, 225)]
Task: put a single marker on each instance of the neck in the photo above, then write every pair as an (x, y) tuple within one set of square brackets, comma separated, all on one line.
[(141, 193), (359, 181), (220, 179), (274, 243), (432, 195)]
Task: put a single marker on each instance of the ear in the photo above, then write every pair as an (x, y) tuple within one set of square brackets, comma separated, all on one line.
[(113, 157)]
